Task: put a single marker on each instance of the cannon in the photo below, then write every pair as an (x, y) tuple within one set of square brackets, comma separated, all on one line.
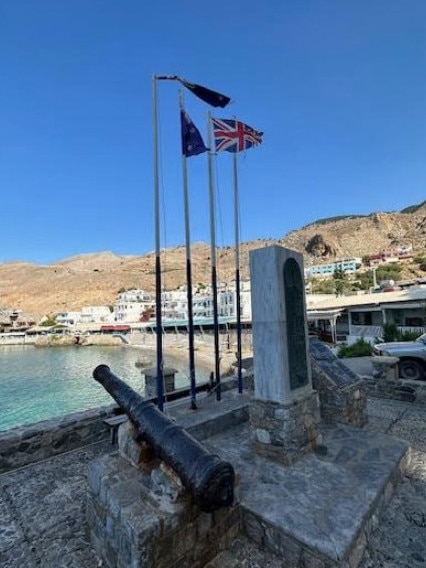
[(209, 480)]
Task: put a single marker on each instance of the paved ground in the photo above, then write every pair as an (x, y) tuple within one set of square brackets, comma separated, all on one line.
[(42, 513), (42, 521)]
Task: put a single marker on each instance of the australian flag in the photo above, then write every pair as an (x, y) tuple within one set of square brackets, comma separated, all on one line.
[(192, 142), (234, 136), (210, 97)]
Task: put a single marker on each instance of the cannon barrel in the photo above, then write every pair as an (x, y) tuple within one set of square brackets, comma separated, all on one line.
[(209, 480)]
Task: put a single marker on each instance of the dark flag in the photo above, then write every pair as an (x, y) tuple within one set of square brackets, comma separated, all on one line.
[(234, 136), (210, 97), (192, 142)]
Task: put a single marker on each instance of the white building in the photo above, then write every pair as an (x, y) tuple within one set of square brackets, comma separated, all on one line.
[(131, 306), (68, 318), (88, 314), (96, 314)]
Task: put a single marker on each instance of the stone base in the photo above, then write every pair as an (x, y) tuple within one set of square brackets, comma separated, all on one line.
[(136, 519), (285, 431), (320, 512)]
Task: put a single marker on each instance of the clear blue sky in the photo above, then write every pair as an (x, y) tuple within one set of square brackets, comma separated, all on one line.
[(339, 89)]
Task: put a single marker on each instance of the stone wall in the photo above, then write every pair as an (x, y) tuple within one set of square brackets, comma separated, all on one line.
[(36, 442), (285, 431), (136, 520)]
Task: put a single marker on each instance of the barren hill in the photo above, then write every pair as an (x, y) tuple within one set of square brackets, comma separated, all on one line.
[(93, 279)]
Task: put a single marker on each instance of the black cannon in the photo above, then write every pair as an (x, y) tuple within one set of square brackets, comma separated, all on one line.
[(209, 480)]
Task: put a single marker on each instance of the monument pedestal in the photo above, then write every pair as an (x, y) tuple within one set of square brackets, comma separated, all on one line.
[(284, 413), (285, 431)]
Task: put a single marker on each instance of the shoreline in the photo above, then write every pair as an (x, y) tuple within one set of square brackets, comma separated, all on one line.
[(204, 356)]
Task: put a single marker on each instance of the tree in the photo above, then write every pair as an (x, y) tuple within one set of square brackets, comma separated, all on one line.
[(49, 320), (340, 281), (365, 279)]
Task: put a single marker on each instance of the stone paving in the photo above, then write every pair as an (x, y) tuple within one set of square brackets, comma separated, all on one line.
[(42, 508), (42, 513)]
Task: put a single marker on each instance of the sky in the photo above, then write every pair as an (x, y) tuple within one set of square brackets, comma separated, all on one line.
[(338, 88)]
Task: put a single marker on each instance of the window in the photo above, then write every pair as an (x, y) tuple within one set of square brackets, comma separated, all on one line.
[(361, 318), (414, 322)]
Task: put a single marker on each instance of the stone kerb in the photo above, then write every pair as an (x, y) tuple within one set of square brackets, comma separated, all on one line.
[(284, 411)]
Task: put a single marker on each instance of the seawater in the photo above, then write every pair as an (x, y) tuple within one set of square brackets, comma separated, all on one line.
[(41, 383)]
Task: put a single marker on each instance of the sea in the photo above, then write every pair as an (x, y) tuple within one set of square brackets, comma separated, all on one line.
[(41, 383)]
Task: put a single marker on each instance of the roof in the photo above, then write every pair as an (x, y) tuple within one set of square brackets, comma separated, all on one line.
[(367, 300)]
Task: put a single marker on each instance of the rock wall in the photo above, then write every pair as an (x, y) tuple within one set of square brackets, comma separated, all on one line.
[(36, 442)]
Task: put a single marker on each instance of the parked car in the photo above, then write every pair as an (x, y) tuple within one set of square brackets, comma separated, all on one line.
[(412, 356)]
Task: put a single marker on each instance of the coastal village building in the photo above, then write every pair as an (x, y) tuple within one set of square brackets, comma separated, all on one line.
[(131, 305), (88, 314), (348, 318), (347, 265)]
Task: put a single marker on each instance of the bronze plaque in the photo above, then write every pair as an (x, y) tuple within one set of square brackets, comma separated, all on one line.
[(296, 338)]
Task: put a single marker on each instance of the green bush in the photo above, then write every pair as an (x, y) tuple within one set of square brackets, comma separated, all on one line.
[(419, 259), (407, 335), (360, 348), (390, 332)]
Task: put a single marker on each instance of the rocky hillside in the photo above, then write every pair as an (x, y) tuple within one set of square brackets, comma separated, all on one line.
[(93, 279)]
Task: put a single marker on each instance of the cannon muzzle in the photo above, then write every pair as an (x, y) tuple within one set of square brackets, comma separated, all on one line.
[(209, 480)]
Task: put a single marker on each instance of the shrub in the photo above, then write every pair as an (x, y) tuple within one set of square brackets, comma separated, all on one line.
[(390, 332), (361, 348), (407, 335)]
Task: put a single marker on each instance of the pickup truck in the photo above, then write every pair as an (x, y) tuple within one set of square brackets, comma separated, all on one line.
[(412, 356)]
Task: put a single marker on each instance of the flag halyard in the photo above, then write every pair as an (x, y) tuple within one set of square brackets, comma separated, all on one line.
[(234, 136)]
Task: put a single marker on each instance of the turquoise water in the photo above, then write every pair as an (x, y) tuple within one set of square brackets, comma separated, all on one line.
[(41, 383)]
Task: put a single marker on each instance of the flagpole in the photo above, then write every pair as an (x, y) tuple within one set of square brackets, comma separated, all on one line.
[(237, 272), (159, 326), (192, 380), (213, 258)]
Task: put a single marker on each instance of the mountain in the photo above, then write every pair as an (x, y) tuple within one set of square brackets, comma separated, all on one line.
[(95, 279)]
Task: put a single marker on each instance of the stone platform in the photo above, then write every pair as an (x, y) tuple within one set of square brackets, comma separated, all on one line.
[(319, 512), (316, 513)]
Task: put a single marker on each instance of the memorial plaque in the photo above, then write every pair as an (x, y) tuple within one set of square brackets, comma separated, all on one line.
[(295, 323), (337, 372)]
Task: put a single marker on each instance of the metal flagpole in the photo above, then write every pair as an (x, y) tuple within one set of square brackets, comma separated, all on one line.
[(237, 272), (188, 273), (159, 326), (213, 258)]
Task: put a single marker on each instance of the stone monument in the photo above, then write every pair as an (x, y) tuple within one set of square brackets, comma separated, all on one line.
[(284, 412), (342, 393)]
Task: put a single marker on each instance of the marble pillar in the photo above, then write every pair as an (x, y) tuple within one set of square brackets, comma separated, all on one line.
[(284, 412)]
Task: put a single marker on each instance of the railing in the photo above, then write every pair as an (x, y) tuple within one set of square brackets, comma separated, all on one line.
[(410, 329), (366, 330), (377, 330)]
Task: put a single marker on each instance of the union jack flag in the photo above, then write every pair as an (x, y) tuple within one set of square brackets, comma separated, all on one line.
[(234, 136)]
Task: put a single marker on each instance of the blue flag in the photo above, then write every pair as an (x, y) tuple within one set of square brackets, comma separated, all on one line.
[(192, 142), (210, 97)]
